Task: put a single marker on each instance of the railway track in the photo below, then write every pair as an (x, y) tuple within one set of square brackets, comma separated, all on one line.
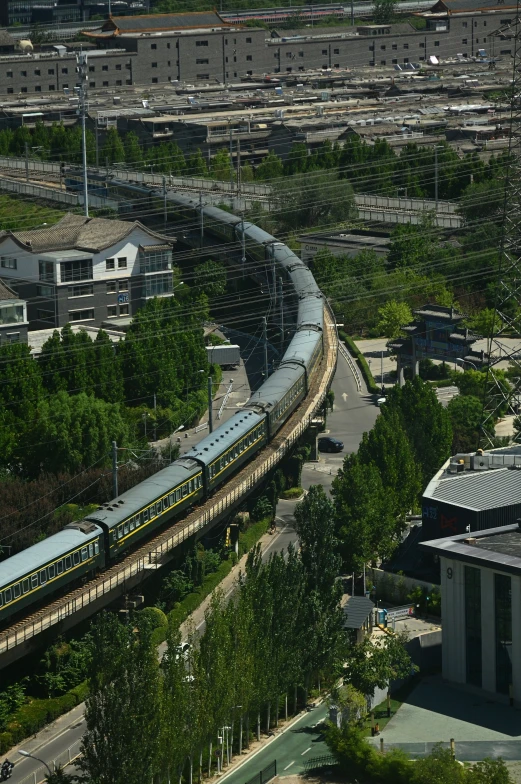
[(148, 557)]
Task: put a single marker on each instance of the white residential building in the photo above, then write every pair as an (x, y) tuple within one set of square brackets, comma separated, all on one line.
[(86, 270)]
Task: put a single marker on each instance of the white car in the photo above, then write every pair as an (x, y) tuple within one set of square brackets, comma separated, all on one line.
[(381, 401)]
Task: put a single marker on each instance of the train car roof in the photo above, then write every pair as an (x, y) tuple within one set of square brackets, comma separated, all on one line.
[(274, 389), (55, 546), (127, 504), (311, 312), (301, 347), (224, 436)]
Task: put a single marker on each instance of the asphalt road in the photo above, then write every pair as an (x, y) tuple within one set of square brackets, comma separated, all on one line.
[(301, 742), (353, 414)]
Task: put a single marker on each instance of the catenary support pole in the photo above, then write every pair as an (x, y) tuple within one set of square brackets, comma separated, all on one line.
[(81, 68), (210, 405), (114, 469), (265, 340)]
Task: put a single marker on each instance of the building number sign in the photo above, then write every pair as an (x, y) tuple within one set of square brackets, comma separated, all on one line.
[(449, 573)]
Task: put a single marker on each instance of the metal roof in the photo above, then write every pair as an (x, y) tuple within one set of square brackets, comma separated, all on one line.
[(357, 609), (271, 392), (50, 549), (495, 548), (143, 494), (479, 490), (160, 22), (224, 436)]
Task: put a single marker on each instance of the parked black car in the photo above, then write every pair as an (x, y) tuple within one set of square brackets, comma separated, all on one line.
[(330, 444)]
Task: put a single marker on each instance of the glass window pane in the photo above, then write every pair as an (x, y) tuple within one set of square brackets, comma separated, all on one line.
[(503, 613), (473, 625)]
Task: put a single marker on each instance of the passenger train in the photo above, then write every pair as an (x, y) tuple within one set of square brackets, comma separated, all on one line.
[(83, 548)]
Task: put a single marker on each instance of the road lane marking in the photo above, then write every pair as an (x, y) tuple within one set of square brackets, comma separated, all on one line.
[(290, 764), (305, 752)]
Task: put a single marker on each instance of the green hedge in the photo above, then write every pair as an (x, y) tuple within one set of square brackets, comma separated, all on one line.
[(361, 361), (31, 717), (292, 492)]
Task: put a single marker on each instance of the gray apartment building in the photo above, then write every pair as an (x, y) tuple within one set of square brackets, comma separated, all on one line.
[(201, 47), (86, 270)]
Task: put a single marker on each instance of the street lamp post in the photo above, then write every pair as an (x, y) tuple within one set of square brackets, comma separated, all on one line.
[(462, 362), (26, 754)]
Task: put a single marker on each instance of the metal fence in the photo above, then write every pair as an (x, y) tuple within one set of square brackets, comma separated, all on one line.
[(266, 774), (67, 757), (416, 205), (321, 762), (53, 194)]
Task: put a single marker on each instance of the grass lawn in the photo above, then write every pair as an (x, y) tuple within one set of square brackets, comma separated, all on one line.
[(17, 214)]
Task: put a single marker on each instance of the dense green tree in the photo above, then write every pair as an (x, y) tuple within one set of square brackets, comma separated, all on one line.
[(486, 323), (271, 168), (316, 199), (392, 317), (106, 376), (426, 422), (384, 11), (465, 412), (365, 525), (133, 151), (210, 278), (21, 384), (221, 166), (72, 432), (371, 665), (113, 149), (482, 200), (387, 447), (123, 708)]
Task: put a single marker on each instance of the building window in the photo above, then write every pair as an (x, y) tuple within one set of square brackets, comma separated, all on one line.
[(92, 84), (50, 71), (336, 51), (24, 73), (9, 74), (324, 51), (382, 47), (168, 46), (201, 43), (92, 68), (464, 40), (38, 88), (46, 270), (76, 270), (154, 80), (436, 43), (65, 70), (37, 72), (12, 337), (395, 47), (105, 84), (52, 87), (112, 311), (465, 24), (112, 287), (473, 625), (87, 290), (45, 291), (123, 285), (202, 61), (301, 54), (249, 57), (10, 91), (154, 65), (406, 46), (109, 264), (505, 51), (158, 284), (503, 630), (122, 262), (202, 76), (248, 40), (118, 67), (81, 315), (45, 315), (383, 62), (153, 46), (422, 46), (394, 62), (406, 59), (23, 89), (104, 68), (11, 314), (123, 310), (9, 263)]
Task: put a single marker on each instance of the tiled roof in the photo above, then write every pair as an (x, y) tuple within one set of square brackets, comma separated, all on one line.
[(6, 39), (6, 292), (80, 233), (159, 22)]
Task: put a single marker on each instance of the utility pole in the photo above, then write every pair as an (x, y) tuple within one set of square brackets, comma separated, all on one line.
[(239, 183), (281, 310), (231, 161), (201, 217), (114, 469), (26, 162), (436, 177), (81, 70), (265, 338), (155, 417), (210, 405), (243, 247), (382, 371), (97, 144), (165, 213)]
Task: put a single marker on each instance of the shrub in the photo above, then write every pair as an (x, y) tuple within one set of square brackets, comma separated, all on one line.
[(6, 741), (362, 362), (157, 617), (292, 492)]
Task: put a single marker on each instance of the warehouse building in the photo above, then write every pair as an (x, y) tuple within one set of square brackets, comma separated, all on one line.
[(473, 492), (480, 607)]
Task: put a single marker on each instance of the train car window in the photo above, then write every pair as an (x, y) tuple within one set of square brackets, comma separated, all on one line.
[(1, 599), (84, 553), (146, 515), (120, 532), (7, 596), (60, 567), (16, 590), (96, 548), (166, 503), (137, 520), (76, 557), (185, 489), (172, 498), (25, 585), (43, 576), (34, 581), (132, 525), (68, 562), (91, 550), (52, 571)]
